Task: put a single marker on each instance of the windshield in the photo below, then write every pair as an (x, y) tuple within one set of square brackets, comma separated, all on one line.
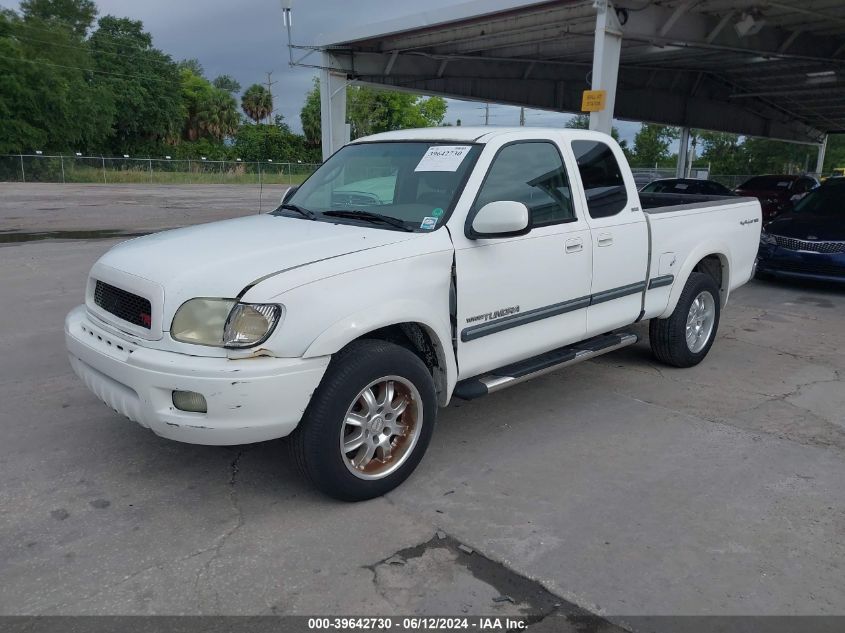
[(827, 200), (414, 182)]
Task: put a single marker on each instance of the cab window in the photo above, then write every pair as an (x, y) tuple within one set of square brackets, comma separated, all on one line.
[(530, 172), (601, 177)]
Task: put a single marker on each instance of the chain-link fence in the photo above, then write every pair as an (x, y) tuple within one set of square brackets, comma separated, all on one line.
[(110, 170)]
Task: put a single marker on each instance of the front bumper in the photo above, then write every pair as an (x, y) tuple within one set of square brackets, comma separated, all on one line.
[(249, 400), (783, 262)]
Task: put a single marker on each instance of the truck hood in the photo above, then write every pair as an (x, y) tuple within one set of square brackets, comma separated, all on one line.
[(221, 259)]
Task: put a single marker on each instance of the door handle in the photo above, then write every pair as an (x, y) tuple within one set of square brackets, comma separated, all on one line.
[(605, 239), (574, 245)]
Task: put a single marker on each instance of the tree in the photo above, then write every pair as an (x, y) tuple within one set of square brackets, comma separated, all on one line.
[(78, 15), (834, 155), (768, 155), (47, 100), (192, 64), (370, 111), (259, 141), (582, 122), (143, 80), (227, 83), (209, 111), (724, 152), (217, 114), (651, 145), (309, 116), (257, 103)]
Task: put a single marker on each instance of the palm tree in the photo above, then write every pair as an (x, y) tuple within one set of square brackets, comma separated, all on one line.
[(257, 103), (217, 115)]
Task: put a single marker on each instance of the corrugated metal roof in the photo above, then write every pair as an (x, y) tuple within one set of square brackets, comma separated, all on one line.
[(764, 67)]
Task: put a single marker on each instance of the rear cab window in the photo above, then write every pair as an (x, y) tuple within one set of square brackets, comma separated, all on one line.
[(601, 177)]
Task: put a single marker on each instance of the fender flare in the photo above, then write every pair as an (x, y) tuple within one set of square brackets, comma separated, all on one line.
[(706, 249), (354, 326)]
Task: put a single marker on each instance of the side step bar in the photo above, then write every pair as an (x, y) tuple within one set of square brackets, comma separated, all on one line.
[(516, 373)]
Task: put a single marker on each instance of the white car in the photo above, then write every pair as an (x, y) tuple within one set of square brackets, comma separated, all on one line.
[(410, 268)]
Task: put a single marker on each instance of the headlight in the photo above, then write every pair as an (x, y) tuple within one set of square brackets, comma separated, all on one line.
[(250, 323), (767, 239), (224, 322)]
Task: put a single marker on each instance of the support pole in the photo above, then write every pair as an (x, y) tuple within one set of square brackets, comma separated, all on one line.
[(820, 157), (332, 108), (606, 49), (681, 168)]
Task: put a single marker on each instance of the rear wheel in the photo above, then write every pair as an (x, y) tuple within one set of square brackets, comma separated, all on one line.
[(684, 338), (369, 422)]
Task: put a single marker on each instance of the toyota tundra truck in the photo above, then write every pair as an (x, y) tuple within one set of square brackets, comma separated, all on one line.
[(411, 268)]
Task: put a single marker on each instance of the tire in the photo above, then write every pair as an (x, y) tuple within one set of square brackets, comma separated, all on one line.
[(317, 444), (668, 337)]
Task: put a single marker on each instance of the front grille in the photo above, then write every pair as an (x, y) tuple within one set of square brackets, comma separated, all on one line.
[(809, 268), (124, 305), (805, 245)]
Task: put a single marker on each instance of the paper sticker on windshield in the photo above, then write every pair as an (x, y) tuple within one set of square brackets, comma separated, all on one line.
[(428, 223), (443, 158), (437, 212)]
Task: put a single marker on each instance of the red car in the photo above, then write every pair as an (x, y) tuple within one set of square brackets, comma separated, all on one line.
[(776, 193)]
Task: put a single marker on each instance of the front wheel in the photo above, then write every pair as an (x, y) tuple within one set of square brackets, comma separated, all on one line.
[(368, 423), (684, 338)]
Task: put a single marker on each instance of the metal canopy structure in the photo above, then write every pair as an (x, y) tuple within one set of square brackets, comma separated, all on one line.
[(754, 67)]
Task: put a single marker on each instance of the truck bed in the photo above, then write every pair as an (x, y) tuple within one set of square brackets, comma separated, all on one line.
[(665, 202)]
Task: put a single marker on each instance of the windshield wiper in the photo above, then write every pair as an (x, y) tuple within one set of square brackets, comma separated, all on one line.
[(368, 216), (300, 210)]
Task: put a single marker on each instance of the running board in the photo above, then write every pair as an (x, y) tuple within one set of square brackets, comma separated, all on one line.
[(516, 373)]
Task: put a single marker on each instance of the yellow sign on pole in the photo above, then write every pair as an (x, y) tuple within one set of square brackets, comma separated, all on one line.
[(593, 100)]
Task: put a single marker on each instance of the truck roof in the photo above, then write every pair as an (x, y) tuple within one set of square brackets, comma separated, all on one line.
[(476, 134)]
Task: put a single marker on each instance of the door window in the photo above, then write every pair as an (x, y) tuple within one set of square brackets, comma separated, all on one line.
[(531, 173), (602, 178)]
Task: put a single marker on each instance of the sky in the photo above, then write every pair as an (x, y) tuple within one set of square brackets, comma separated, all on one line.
[(247, 39)]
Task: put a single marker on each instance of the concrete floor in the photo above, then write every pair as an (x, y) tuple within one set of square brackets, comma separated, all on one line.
[(619, 485)]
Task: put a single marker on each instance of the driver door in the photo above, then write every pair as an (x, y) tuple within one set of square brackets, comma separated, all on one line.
[(520, 296)]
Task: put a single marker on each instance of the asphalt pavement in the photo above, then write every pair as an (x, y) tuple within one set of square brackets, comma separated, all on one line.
[(618, 486)]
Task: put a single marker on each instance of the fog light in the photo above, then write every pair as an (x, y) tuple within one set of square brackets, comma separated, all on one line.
[(190, 401)]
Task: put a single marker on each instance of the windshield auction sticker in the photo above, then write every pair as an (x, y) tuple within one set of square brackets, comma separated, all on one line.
[(443, 158)]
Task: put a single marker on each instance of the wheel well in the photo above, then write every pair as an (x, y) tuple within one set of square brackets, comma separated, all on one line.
[(716, 266), (418, 339)]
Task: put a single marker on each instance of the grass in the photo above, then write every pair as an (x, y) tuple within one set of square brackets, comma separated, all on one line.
[(50, 170)]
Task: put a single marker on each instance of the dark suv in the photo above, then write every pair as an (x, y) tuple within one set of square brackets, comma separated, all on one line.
[(777, 193)]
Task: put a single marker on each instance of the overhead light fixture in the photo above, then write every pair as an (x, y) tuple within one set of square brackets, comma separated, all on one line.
[(748, 25), (822, 77)]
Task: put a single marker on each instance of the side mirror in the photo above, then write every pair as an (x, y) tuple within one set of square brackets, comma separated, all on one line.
[(503, 218), (287, 195)]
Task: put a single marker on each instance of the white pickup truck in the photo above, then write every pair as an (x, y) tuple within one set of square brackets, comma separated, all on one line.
[(410, 268)]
